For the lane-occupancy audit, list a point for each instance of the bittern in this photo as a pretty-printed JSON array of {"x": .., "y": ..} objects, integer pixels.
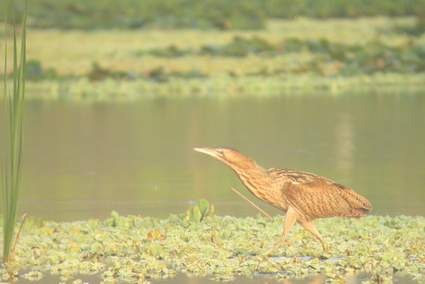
[{"x": 303, "y": 196}]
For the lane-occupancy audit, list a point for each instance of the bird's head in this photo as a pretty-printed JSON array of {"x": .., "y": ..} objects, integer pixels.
[{"x": 231, "y": 157}]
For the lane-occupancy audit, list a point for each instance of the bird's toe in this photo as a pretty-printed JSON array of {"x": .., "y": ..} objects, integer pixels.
[{"x": 282, "y": 242}]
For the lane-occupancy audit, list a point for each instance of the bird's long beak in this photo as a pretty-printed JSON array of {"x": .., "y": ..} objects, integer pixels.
[{"x": 209, "y": 151}]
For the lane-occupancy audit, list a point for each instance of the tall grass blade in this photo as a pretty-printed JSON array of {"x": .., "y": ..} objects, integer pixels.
[{"x": 11, "y": 172}]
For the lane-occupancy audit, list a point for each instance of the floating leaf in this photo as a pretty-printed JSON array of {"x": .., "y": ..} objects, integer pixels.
[
  {"x": 221, "y": 248},
  {"x": 155, "y": 235}
]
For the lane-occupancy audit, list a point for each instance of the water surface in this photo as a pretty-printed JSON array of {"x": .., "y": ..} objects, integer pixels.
[{"x": 82, "y": 161}]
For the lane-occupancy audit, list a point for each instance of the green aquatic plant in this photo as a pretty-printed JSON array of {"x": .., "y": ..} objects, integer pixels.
[
  {"x": 200, "y": 211},
  {"x": 219, "y": 14},
  {"x": 346, "y": 59},
  {"x": 12, "y": 163},
  {"x": 133, "y": 249},
  {"x": 241, "y": 47},
  {"x": 35, "y": 71}
]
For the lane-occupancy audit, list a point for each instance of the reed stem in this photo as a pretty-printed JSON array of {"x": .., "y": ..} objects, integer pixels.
[
  {"x": 11, "y": 167},
  {"x": 251, "y": 203}
]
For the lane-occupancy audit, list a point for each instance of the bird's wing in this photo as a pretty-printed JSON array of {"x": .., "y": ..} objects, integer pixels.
[{"x": 316, "y": 197}]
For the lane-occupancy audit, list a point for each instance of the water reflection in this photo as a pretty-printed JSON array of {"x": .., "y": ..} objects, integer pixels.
[{"x": 344, "y": 137}]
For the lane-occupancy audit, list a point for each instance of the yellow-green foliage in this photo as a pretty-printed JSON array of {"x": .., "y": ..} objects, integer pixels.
[
  {"x": 206, "y": 14},
  {"x": 83, "y": 90},
  {"x": 14, "y": 95},
  {"x": 200, "y": 211},
  {"x": 74, "y": 52},
  {"x": 122, "y": 65},
  {"x": 134, "y": 248}
]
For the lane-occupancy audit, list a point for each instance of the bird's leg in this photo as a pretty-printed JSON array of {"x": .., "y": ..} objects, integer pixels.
[
  {"x": 290, "y": 220},
  {"x": 309, "y": 226}
]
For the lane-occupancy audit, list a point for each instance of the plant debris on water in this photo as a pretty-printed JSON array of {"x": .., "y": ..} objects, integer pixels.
[{"x": 139, "y": 248}]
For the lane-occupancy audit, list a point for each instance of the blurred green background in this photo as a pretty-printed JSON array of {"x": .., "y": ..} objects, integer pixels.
[{"x": 221, "y": 14}]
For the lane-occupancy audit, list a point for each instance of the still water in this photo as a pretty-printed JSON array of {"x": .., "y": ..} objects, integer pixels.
[
  {"x": 182, "y": 279},
  {"x": 82, "y": 161}
]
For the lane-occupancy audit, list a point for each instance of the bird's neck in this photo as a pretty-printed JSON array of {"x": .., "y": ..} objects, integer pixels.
[{"x": 256, "y": 179}]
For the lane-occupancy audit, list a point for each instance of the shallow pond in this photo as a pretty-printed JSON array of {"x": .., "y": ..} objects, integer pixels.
[
  {"x": 83, "y": 161},
  {"x": 182, "y": 279}
]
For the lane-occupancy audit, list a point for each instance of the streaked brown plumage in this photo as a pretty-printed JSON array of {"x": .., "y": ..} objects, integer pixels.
[{"x": 303, "y": 196}]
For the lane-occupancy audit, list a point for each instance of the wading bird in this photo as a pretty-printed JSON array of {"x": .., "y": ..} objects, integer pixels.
[{"x": 303, "y": 196}]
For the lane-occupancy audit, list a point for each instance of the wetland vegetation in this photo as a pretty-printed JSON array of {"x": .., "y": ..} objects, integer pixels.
[
  {"x": 141, "y": 248},
  {"x": 152, "y": 173},
  {"x": 333, "y": 89},
  {"x": 209, "y": 14},
  {"x": 11, "y": 154},
  {"x": 286, "y": 57}
]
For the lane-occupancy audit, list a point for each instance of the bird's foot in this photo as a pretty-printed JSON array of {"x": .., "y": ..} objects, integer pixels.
[
  {"x": 326, "y": 248},
  {"x": 281, "y": 242}
]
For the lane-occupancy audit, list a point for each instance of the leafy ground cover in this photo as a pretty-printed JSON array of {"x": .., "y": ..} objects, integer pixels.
[
  {"x": 347, "y": 59},
  {"x": 143, "y": 51},
  {"x": 289, "y": 56},
  {"x": 208, "y": 14},
  {"x": 139, "y": 248}
]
